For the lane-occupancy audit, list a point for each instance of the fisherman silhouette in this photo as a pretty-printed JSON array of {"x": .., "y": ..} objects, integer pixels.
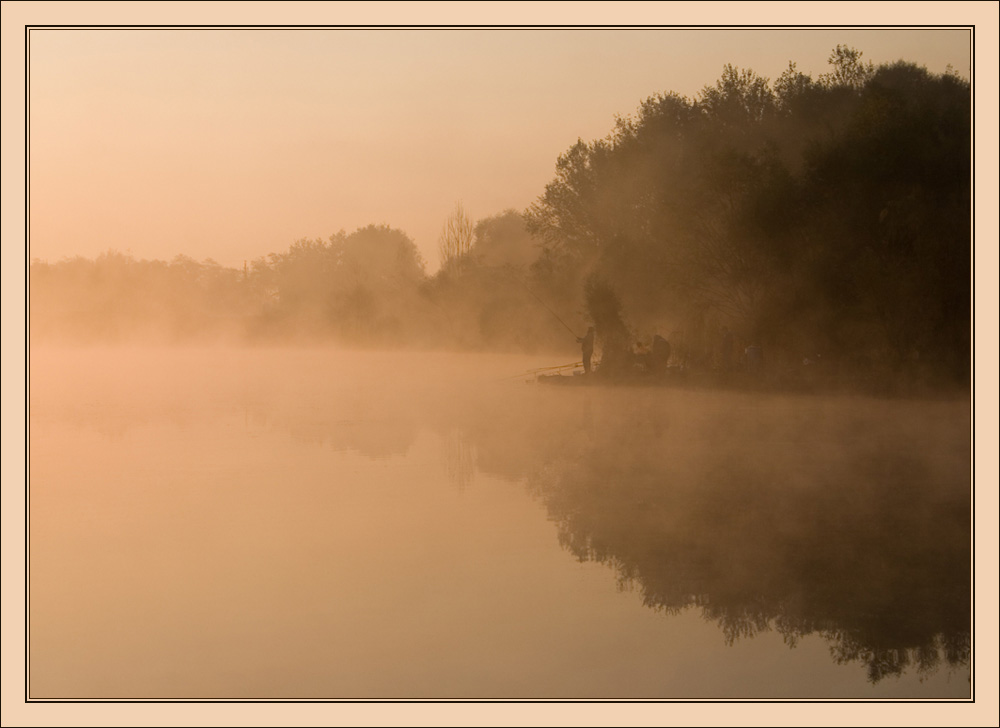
[{"x": 588, "y": 348}]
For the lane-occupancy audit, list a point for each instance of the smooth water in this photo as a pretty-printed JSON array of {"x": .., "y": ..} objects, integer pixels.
[{"x": 318, "y": 524}]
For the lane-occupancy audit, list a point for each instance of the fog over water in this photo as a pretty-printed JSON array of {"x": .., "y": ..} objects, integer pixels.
[{"x": 326, "y": 523}]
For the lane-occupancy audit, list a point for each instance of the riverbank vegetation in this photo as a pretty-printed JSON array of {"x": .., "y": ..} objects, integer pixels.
[{"x": 825, "y": 221}]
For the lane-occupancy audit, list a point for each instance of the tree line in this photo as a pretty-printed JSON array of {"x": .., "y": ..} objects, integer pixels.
[
  {"x": 824, "y": 218},
  {"x": 827, "y": 220}
]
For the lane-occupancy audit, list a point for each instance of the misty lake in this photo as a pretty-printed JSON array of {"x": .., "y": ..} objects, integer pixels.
[{"x": 320, "y": 524}]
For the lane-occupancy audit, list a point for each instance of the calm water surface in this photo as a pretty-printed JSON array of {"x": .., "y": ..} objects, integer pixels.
[{"x": 321, "y": 524}]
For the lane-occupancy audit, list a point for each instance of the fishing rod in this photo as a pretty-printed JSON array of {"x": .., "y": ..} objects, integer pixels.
[
  {"x": 558, "y": 366},
  {"x": 546, "y": 306}
]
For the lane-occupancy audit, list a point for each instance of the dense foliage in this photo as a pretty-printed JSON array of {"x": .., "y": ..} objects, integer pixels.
[{"x": 824, "y": 217}]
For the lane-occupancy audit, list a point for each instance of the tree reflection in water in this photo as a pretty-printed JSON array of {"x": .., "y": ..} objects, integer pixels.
[
  {"x": 843, "y": 517},
  {"x": 847, "y": 519}
]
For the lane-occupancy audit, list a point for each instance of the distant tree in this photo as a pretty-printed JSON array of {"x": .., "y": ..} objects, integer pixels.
[
  {"x": 791, "y": 84},
  {"x": 356, "y": 286},
  {"x": 377, "y": 276},
  {"x": 117, "y": 297},
  {"x": 567, "y": 216},
  {"x": 455, "y": 242},
  {"x": 380, "y": 255},
  {"x": 739, "y": 100},
  {"x": 503, "y": 239},
  {"x": 303, "y": 275},
  {"x": 848, "y": 70}
]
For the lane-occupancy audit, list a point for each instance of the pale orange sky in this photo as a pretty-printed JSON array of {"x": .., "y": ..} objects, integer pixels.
[{"x": 231, "y": 144}]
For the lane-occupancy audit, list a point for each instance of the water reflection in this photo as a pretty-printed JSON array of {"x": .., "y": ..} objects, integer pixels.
[
  {"x": 847, "y": 518},
  {"x": 844, "y": 519}
]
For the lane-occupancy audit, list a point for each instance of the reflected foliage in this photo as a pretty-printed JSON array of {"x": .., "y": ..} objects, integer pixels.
[
  {"x": 798, "y": 516},
  {"x": 844, "y": 518}
]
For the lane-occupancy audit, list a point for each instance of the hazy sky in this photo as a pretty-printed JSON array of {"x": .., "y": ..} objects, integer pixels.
[{"x": 232, "y": 144}]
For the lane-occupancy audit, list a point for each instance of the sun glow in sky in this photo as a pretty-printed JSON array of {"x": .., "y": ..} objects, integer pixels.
[{"x": 231, "y": 144}]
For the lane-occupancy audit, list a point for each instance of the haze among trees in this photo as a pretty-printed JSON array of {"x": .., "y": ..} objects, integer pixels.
[{"x": 825, "y": 218}]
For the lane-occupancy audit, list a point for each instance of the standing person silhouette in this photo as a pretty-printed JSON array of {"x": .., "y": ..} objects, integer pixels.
[{"x": 588, "y": 348}]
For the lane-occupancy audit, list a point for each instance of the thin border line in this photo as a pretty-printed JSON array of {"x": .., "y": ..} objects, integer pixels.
[
  {"x": 502, "y": 27},
  {"x": 27, "y": 362},
  {"x": 972, "y": 359}
]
